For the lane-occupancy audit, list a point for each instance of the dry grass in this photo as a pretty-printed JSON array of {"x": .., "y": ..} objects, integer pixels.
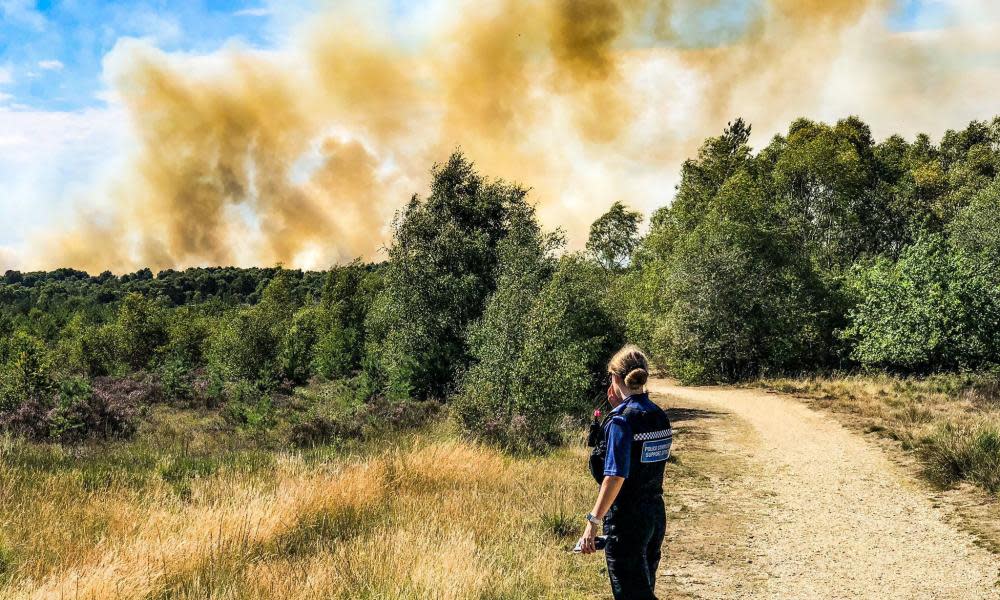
[
  {"x": 951, "y": 422},
  {"x": 420, "y": 516}
]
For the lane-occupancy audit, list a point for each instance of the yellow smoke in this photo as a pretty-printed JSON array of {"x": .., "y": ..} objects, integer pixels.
[{"x": 301, "y": 155}]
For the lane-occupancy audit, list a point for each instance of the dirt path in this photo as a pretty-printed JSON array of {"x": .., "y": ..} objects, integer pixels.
[{"x": 792, "y": 505}]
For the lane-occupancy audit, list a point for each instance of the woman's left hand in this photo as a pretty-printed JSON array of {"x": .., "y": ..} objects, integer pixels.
[{"x": 587, "y": 541}]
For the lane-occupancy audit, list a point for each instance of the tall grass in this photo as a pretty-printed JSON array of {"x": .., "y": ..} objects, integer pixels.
[
  {"x": 420, "y": 516},
  {"x": 952, "y": 422}
]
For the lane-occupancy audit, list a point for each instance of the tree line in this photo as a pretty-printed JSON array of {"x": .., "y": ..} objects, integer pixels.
[{"x": 823, "y": 250}]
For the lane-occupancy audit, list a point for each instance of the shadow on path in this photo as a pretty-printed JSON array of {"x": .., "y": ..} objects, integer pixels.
[{"x": 680, "y": 414}]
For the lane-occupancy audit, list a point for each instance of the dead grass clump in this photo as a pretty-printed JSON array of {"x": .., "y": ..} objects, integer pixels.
[{"x": 959, "y": 452}]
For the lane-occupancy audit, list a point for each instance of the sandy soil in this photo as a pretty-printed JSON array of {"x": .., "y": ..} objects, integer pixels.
[{"x": 790, "y": 504}]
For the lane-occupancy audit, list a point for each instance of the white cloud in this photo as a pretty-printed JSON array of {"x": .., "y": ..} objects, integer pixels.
[
  {"x": 6, "y": 75},
  {"x": 253, "y": 12},
  {"x": 47, "y": 158},
  {"x": 22, "y": 11},
  {"x": 50, "y": 65}
]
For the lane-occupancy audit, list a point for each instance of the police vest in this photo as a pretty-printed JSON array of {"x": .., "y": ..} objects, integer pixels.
[{"x": 652, "y": 437}]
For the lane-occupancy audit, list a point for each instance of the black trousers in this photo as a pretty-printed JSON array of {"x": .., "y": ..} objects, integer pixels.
[{"x": 635, "y": 534}]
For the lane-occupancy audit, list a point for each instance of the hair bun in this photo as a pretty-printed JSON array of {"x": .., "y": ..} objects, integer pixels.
[{"x": 636, "y": 378}]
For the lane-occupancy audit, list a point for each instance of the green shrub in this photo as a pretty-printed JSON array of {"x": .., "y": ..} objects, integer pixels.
[
  {"x": 496, "y": 340},
  {"x": 248, "y": 407},
  {"x": 542, "y": 363},
  {"x": 245, "y": 346},
  {"x": 175, "y": 377},
  {"x": 140, "y": 331},
  {"x": 336, "y": 352},
  {"x": 25, "y": 370},
  {"x": 935, "y": 308},
  {"x": 188, "y": 332},
  {"x": 299, "y": 346}
]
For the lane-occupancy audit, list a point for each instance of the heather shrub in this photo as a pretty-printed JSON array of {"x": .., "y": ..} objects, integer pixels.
[
  {"x": 208, "y": 390},
  {"x": 78, "y": 409},
  {"x": 339, "y": 412}
]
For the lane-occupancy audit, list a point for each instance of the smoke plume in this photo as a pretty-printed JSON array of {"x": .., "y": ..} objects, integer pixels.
[{"x": 301, "y": 155}]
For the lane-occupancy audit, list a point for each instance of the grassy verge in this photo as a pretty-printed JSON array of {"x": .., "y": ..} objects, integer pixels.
[
  {"x": 191, "y": 509},
  {"x": 951, "y": 422}
]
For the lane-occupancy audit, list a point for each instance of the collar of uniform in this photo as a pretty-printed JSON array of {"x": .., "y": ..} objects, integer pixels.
[{"x": 618, "y": 409}]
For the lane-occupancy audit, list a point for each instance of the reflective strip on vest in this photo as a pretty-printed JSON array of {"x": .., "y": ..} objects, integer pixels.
[{"x": 653, "y": 435}]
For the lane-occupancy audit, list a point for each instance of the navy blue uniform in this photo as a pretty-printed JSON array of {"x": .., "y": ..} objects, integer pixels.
[{"x": 635, "y": 445}]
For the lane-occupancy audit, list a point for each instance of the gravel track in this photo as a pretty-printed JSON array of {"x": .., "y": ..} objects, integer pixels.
[{"x": 829, "y": 514}]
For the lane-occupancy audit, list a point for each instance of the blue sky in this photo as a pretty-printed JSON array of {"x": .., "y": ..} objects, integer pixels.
[{"x": 51, "y": 51}]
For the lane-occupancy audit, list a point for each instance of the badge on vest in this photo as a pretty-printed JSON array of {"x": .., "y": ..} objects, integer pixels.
[{"x": 655, "y": 446}]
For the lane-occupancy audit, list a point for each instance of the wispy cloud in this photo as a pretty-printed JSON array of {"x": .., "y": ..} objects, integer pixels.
[
  {"x": 50, "y": 65},
  {"x": 6, "y": 75},
  {"x": 22, "y": 12},
  {"x": 253, "y": 12}
]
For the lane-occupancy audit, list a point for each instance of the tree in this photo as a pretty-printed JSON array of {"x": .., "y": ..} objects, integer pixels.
[
  {"x": 614, "y": 237},
  {"x": 485, "y": 403},
  {"x": 442, "y": 268},
  {"x": 934, "y": 308},
  {"x": 139, "y": 331}
]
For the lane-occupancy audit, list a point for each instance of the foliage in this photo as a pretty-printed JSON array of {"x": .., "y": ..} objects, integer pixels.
[
  {"x": 614, "y": 236},
  {"x": 25, "y": 370},
  {"x": 823, "y": 250},
  {"x": 539, "y": 368},
  {"x": 935, "y": 307},
  {"x": 485, "y": 404},
  {"x": 441, "y": 270}
]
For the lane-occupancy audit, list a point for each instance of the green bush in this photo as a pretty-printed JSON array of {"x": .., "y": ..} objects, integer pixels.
[
  {"x": 245, "y": 346},
  {"x": 248, "y": 407},
  {"x": 188, "y": 332},
  {"x": 299, "y": 345},
  {"x": 934, "y": 308},
  {"x": 25, "y": 370},
  {"x": 140, "y": 331},
  {"x": 538, "y": 364},
  {"x": 336, "y": 352},
  {"x": 496, "y": 340}
]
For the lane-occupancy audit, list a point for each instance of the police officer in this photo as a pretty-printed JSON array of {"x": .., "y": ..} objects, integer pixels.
[{"x": 628, "y": 462}]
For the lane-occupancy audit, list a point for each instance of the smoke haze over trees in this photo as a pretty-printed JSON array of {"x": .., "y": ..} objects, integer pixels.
[{"x": 825, "y": 249}]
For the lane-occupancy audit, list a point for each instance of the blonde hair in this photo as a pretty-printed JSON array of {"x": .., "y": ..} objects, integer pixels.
[{"x": 631, "y": 364}]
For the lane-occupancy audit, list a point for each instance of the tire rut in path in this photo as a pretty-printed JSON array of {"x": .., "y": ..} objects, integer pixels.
[{"x": 829, "y": 515}]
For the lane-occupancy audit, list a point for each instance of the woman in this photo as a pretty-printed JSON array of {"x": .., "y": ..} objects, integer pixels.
[{"x": 628, "y": 464}]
